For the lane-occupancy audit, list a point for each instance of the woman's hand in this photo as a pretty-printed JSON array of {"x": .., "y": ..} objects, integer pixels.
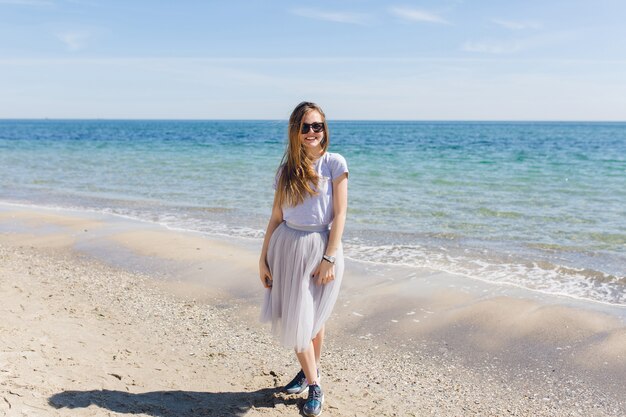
[
  {"x": 325, "y": 272},
  {"x": 265, "y": 274}
]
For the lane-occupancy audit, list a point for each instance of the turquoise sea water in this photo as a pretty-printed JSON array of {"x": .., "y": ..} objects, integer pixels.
[{"x": 538, "y": 205}]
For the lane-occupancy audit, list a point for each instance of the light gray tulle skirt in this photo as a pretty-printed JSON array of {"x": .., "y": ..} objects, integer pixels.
[{"x": 295, "y": 305}]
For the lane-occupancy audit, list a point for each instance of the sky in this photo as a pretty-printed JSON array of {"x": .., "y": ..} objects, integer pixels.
[{"x": 359, "y": 59}]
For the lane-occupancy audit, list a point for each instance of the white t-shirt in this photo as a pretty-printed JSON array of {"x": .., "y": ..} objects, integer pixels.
[{"x": 318, "y": 209}]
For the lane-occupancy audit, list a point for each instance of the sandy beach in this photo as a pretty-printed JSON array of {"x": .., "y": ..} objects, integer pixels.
[{"x": 105, "y": 316}]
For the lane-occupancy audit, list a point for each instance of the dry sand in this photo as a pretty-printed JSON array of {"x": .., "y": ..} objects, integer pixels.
[{"x": 104, "y": 317}]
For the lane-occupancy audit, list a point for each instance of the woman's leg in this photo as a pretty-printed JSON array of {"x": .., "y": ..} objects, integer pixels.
[
  {"x": 317, "y": 345},
  {"x": 307, "y": 362},
  {"x": 310, "y": 358}
]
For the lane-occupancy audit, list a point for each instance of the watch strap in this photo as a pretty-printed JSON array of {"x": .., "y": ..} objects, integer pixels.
[{"x": 330, "y": 259}]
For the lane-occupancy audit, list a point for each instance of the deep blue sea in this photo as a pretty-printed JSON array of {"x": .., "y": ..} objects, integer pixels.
[{"x": 537, "y": 205}]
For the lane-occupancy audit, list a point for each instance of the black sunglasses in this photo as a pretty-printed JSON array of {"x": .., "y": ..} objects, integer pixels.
[{"x": 317, "y": 127}]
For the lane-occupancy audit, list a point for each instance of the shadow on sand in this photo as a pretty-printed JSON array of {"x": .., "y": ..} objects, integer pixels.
[{"x": 174, "y": 403}]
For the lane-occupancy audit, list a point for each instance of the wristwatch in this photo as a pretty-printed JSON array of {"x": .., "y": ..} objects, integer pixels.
[{"x": 330, "y": 259}]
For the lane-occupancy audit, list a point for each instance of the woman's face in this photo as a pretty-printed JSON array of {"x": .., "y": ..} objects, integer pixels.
[{"x": 312, "y": 140}]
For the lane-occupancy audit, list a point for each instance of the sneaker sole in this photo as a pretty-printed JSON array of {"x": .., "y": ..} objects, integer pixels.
[{"x": 297, "y": 392}]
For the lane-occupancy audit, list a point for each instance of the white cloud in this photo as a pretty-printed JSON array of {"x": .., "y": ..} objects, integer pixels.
[
  {"x": 27, "y": 2},
  {"x": 516, "y": 25},
  {"x": 493, "y": 46},
  {"x": 511, "y": 46},
  {"x": 156, "y": 62},
  {"x": 74, "y": 41},
  {"x": 339, "y": 17},
  {"x": 417, "y": 15}
]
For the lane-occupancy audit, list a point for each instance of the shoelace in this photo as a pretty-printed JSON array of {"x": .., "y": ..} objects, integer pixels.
[{"x": 315, "y": 392}]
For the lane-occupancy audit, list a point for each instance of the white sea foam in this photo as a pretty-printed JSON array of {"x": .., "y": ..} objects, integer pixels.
[{"x": 545, "y": 277}]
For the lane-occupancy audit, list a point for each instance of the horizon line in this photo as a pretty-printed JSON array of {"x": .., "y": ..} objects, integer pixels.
[{"x": 113, "y": 119}]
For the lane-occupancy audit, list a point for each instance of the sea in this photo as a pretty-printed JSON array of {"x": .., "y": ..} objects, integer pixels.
[{"x": 537, "y": 205}]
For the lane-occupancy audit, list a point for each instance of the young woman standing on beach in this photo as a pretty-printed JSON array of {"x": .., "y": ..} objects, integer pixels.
[{"x": 301, "y": 262}]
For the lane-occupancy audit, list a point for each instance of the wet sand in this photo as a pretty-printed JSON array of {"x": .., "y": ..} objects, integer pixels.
[{"x": 107, "y": 316}]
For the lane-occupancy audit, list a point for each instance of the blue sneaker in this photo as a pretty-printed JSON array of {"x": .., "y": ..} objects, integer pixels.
[
  {"x": 299, "y": 383},
  {"x": 313, "y": 405}
]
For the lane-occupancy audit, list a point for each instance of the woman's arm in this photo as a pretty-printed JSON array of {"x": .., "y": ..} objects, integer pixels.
[
  {"x": 276, "y": 219},
  {"x": 326, "y": 270},
  {"x": 340, "y": 209}
]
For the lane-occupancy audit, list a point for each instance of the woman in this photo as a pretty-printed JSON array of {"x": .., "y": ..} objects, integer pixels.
[{"x": 301, "y": 262}]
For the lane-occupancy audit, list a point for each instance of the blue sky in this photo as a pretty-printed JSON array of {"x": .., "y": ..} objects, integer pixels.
[{"x": 359, "y": 59}]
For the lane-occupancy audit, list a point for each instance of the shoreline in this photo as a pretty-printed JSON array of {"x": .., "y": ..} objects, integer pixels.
[
  {"x": 473, "y": 350},
  {"x": 253, "y": 243}
]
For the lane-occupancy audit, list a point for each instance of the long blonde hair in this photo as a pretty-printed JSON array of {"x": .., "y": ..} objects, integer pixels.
[{"x": 296, "y": 174}]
